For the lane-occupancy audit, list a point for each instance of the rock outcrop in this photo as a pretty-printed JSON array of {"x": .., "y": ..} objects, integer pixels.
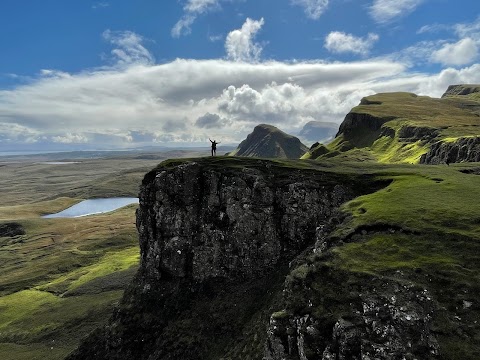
[
  {"x": 371, "y": 318},
  {"x": 461, "y": 150},
  {"x": 267, "y": 141},
  {"x": 11, "y": 229},
  {"x": 462, "y": 89},
  {"x": 216, "y": 238},
  {"x": 202, "y": 224}
]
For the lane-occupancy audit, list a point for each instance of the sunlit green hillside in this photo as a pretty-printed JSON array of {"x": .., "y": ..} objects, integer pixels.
[{"x": 401, "y": 127}]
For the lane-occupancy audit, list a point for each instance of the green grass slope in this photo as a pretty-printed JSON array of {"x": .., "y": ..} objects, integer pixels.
[{"x": 401, "y": 127}]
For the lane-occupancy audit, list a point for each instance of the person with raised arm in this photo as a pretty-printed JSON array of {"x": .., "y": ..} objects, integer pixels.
[{"x": 214, "y": 146}]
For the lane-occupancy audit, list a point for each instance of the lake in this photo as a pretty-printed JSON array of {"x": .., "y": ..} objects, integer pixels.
[{"x": 93, "y": 207}]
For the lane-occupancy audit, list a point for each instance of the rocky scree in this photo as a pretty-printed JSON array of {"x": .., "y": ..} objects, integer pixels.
[{"x": 332, "y": 314}]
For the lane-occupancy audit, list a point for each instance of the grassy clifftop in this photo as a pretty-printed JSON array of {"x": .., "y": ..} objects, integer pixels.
[{"x": 401, "y": 127}]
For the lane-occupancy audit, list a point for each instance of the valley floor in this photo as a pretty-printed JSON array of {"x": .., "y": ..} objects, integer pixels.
[{"x": 62, "y": 278}]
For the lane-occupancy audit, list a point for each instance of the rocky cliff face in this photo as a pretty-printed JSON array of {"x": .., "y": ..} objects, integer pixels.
[
  {"x": 368, "y": 318},
  {"x": 404, "y": 127},
  {"x": 461, "y": 150},
  {"x": 199, "y": 224},
  {"x": 216, "y": 238}
]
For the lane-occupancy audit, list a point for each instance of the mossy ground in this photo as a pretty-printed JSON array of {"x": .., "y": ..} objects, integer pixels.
[{"x": 62, "y": 279}]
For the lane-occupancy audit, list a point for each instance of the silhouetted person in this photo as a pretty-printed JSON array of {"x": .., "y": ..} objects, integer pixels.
[{"x": 214, "y": 146}]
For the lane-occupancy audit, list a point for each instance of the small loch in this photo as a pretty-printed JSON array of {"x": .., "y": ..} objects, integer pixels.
[{"x": 93, "y": 207}]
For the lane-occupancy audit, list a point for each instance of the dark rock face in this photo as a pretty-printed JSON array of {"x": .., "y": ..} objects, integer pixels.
[
  {"x": 415, "y": 133},
  {"x": 355, "y": 121},
  {"x": 269, "y": 142},
  {"x": 462, "y": 150},
  {"x": 380, "y": 319},
  {"x": 464, "y": 89},
  {"x": 361, "y": 130},
  {"x": 202, "y": 224}
]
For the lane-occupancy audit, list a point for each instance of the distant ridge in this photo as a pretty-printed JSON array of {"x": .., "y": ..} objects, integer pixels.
[
  {"x": 270, "y": 142},
  {"x": 318, "y": 131},
  {"x": 462, "y": 89},
  {"x": 400, "y": 127}
]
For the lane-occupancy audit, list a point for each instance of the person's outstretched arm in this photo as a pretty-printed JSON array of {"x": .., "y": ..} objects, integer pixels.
[{"x": 210, "y": 140}]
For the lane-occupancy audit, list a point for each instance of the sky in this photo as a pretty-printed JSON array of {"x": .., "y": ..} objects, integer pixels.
[{"x": 84, "y": 74}]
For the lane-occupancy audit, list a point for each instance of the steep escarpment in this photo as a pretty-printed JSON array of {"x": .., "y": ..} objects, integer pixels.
[
  {"x": 267, "y": 141},
  {"x": 404, "y": 127},
  {"x": 216, "y": 238},
  {"x": 200, "y": 224}
]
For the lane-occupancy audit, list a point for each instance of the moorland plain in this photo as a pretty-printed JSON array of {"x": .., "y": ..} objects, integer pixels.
[{"x": 61, "y": 278}]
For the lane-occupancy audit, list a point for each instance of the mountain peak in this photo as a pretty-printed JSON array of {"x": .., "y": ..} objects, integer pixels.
[{"x": 270, "y": 142}]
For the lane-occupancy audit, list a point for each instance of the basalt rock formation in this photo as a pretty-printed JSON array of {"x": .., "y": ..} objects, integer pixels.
[
  {"x": 216, "y": 240},
  {"x": 462, "y": 89},
  {"x": 267, "y": 141},
  {"x": 465, "y": 149}
]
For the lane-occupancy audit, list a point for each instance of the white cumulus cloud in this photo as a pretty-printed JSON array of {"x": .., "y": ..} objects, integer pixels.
[
  {"x": 313, "y": 8},
  {"x": 463, "y": 52},
  {"x": 340, "y": 42},
  {"x": 384, "y": 11},
  {"x": 129, "y": 48},
  {"x": 240, "y": 45}
]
